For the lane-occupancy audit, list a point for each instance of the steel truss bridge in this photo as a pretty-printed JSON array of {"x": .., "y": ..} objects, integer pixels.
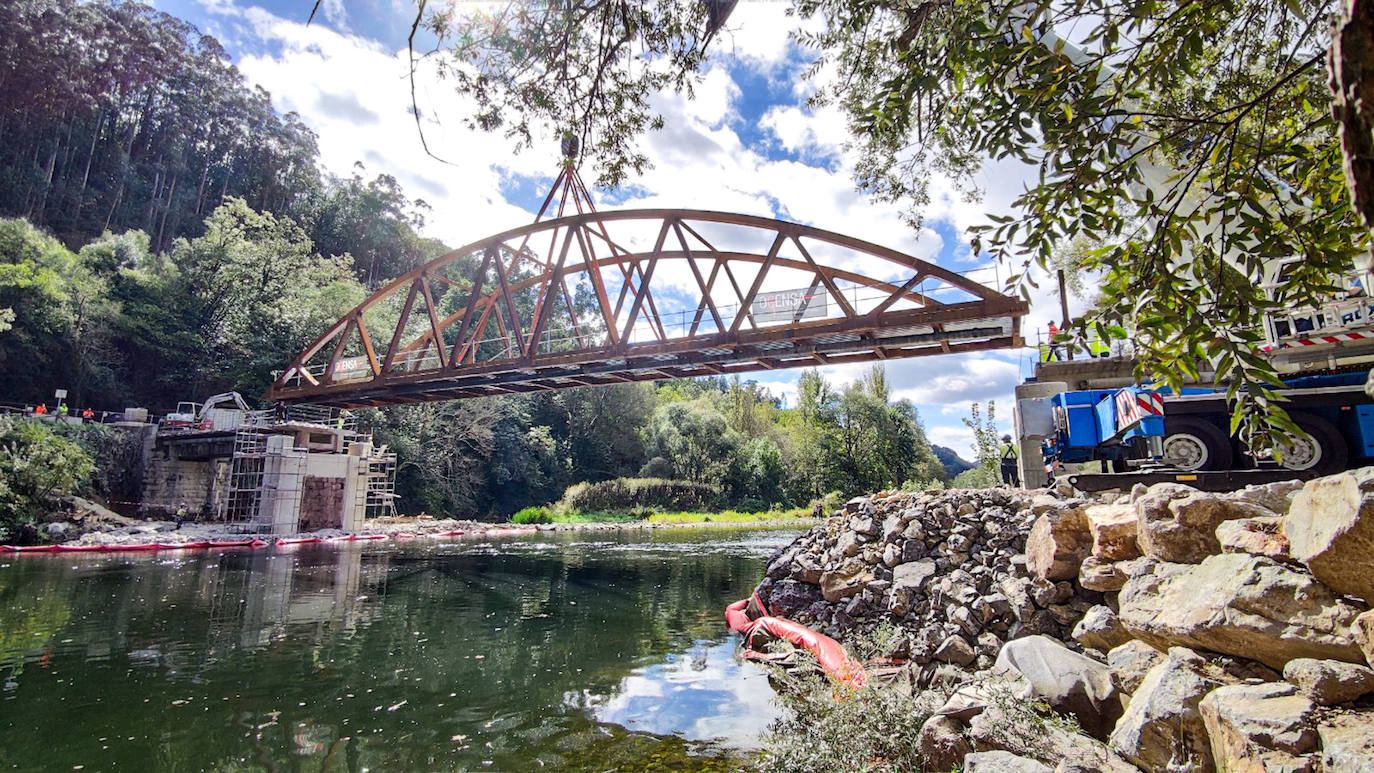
[{"x": 586, "y": 298}]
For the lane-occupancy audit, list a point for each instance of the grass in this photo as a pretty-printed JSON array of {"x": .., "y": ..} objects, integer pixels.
[
  {"x": 729, "y": 516},
  {"x": 552, "y": 515},
  {"x": 595, "y": 518}
]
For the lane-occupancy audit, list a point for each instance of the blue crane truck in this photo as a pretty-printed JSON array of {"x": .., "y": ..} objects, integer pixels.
[{"x": 1143, "y": 433}]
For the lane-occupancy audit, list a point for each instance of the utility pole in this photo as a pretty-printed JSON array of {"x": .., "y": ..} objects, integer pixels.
[{"x": 1064, "y": 309}]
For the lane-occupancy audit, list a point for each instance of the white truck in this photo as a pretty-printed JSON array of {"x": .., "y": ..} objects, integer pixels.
[{"x": 224, "y": 411}]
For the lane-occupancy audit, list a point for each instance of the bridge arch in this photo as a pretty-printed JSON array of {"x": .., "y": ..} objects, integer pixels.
[{"x": 630, "y": 295}]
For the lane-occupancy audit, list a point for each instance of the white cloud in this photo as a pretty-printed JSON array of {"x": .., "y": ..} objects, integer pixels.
[
  {"x": 334, "y": 11},
  {"x": 950, "y": 380},
  {"x": 958, "y": 438},
  {"x": 758, "y": 34},
  {"x": 819, "y": 134},
  {"x": 355, "y": 94}
]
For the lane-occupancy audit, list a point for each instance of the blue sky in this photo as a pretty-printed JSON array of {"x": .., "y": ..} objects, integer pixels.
[{"x": 746, "y": 143}]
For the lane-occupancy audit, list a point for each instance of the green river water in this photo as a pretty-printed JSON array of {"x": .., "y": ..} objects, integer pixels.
[{"x": 578, "y": 651}]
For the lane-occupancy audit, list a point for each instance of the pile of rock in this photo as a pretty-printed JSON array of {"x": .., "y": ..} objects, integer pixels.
[
  {"x": 948, "y": 569},
  {"x": 1213, "y": 631}
]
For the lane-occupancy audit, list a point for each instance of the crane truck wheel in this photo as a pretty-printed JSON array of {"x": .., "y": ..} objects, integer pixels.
[
  {"x": 1323, "y": 452},
  {"x": 1195, "y": 444}
]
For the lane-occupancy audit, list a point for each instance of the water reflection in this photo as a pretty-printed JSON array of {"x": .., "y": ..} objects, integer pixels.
[
  {"x": 701, "y": 695},
  {"x": 567, "y": 652}
]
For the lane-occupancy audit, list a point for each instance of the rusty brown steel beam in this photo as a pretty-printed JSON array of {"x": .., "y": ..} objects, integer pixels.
[
  {"x": 724, "y": 258},
  {"x": 829, "y": 274},
  {"x": 638, "y": 270},
  {"x": 643, "y": 366},
  {"x": 650, "y": 356},
  {"x": 400, "y": 329},
  {"x": 907, "y": 318}
]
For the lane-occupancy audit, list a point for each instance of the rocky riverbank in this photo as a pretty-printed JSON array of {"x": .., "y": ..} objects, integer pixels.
[{"x": 1179, "y": 630}]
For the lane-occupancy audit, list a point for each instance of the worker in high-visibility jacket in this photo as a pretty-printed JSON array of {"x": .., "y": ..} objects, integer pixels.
[{"x": 1010, "y": 475}]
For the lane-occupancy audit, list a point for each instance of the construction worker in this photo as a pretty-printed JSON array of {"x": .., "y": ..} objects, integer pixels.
[
  {"x": 1053, "y": 352},
  {"x": 87, "y": 414},
  {"x": 1099, "y": 348},
  {"x": 181, "y": 515},
  {"x": 1010, "y": 475},
  {"x": 62, "y": 410},
  {"x": 40, "y": 409}
]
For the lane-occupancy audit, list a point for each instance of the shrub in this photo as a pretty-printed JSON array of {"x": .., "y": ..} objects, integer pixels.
[
  {"x": 933, "y": 484},
  {"x": 639, "y": 494},
  {"x": 977, "y": 477},
  {"x": 874, "y": 728},
  {"x": 829, "y": 503},
  {"x": 751, "y": 505},
  {"x": 533, "y": 515},
  {"x": 657, "y": 467},
  {"x": 37, "y": 468}
]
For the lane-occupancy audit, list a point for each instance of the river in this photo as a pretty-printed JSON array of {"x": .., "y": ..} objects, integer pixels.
[{"x": 570, "y": 651}]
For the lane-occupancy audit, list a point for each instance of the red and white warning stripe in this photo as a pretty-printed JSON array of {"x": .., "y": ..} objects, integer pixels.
[
  {"x": 1334, "y": 338},
  {"x": 1133, "y": 406}
]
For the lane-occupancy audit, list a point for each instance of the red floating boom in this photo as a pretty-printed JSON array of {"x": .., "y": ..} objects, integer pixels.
[{"x": 828, "y": 652}]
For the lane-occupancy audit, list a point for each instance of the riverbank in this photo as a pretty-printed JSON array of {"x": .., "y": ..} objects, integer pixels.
[
  {"x": 118, "y": 532},
  {"x": 544, "y": 515},
  {"x": 1157, "y": 630}
]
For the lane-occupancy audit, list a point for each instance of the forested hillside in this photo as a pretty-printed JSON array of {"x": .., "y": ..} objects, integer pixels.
[
  {"x": 173, "y": 237},
  {"x": 115, "y": 116}
]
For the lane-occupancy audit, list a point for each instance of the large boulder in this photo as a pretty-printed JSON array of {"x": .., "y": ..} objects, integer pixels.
[
  {"x": 1276, "y": 497},
  {"x": 1162, "y": 729},
  {"x": 941, "y": 744},
  {"x": 1329, "y": 682},
  {"x": 807, "y": 568},
  {"x": 1178, "y": 524},
  {"x": 1003, "y": 762},
  {"x": 1130, "y": 662},
  {"x": 909, "y": 577},
  {"x": 845, "y": 580},
  {"x": 1113, "y": 529},
  {"x": 1098, "y": 575},
  {"x": 1330, "y": 528},
  {"x": 1256, "y": 536},
  {"x": 1363, "y": 631},
  {"x": 1065, "y": 680},
  {"x": 955, "y": 649},
  {"x": 1259, "y": 727},
  {"x": 789, "y": 597},
  {"x": 1058, "y": 543},
  {"x": 1240, "y": 605},
  {"x": 1347, "y": 741},
  {"x": 1011, "y": 725},
  {"x": 1100, "y": 629}
]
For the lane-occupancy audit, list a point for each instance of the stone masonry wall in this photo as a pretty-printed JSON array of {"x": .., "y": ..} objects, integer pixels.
[{"x": 322, "y": 501}]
